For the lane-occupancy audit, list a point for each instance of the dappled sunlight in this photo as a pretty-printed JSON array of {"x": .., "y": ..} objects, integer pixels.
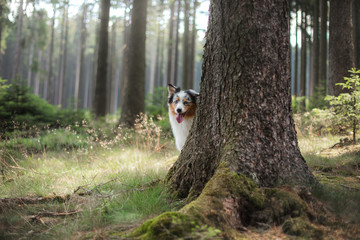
[{"x": 63, "y": 173}]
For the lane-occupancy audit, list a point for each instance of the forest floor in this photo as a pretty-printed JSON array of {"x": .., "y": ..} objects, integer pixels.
[{"x": 101, "y": 192}]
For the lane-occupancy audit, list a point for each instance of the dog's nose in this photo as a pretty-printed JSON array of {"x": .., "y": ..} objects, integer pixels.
[{"x": 178, "y": 110}]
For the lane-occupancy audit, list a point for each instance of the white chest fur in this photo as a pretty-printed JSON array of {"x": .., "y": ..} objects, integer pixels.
[{"x": 180, "y": 130}]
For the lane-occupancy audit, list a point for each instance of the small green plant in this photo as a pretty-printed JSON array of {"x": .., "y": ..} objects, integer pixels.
[{"x": 347, "y": 105}]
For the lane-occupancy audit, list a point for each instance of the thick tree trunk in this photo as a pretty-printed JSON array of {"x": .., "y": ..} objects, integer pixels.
[
  {"x": 134, "y": 102},
  {"x": 102, "y": 61},
  {"x": 244, "y": 113},
  {"x": 341, "y": 45},
  {"x": 323, "y": 47}
]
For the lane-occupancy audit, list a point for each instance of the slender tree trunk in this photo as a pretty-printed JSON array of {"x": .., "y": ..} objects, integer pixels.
[
  {"x": 185, "y": 55},
  {"x": 64, "y": 62},
  {"x": 191, "y": 60},
  {"x": 2, "y": 6},
  {"x": 125, "y": 54},
  {"x": 245, "y": 108},
  {"x": 303, "y": 63},
  {"x": 30, "y": 63},
  {"x": 50, "y": 95},
  {"x": 170, "y": 46},
  {"x": 316, "y": 51},
  {"x": 59, "y": 86},
  {"x": 36, "y": 77},
  {"x": 176, "y": 48},
  {"x": 341, "y": 45},
  {"x": 296, "y": 82},
  {"x": 79, "y": 80},
  {"x": 134, "y": 102},
  {"x": 323, "y": 48},
  {"x": 101, "y": 75},
  {"x": 356, "y": 21},
  {"x": 112, "y": 69},
  {"x": 17, "y": 58}
]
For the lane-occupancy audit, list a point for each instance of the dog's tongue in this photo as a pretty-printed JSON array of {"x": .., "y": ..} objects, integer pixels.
[{"x": 179, "y": 118}]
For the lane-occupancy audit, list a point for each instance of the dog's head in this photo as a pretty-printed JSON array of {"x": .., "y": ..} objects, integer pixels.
[{"x": 182, "y": 103}]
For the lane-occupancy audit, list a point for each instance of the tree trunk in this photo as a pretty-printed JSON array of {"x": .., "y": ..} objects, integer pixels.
[
  {"x": 112, "y": 69},
  {"x": 79, "y": 80},
  {"x": 60, "y": 79},
  {"x": 356, "y": 21},
  {"x": 323, "y": 47},
  {"x": 303, "y": 59},
  {"x": 17, "y": 58},
  {"x": 125, "y": 53},
  {"x": 30, "y": 63},
  {"x": 101, "y": 75},
  {"x": 134, "y": 101},
  {"x": 37, "y": 73},
  {"x": 192, "y": 49},
  {"x": 176, "y": 48},
  {"x": 296, "y": 78},
  {"x": 185, "y": 50},
  {"x": 50, "y": 95},
  {"x": 63, "y": 101},
  {"x": 316, "y": 51},
  {"x": 341, "y": 45},
  {"x": 245, "y": 108},
  {"x": 171, "y": 42}
]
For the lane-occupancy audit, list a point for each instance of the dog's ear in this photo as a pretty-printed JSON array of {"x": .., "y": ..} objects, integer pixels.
[
  {"x": 193, "y": 93},
  {"x": 172, "y": 89}
]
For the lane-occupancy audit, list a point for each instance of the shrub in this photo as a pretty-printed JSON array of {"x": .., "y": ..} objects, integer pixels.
[
  {"x": 20, "y": 108},
  {"x": 346, "y": 106}
]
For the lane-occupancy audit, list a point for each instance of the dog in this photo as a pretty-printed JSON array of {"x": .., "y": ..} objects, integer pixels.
[{"x": 182, "y": 107}]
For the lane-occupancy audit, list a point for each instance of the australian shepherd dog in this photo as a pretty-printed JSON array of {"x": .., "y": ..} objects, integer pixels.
[{"x": 182, "y": 106}]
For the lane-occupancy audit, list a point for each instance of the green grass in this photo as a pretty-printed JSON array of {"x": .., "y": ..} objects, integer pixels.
[
  {"x": 122, "y": 185},
  {"x": 338, "y": 170}
]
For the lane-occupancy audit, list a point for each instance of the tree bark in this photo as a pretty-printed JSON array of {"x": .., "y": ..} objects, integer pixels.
[
  {"x": 323, "y": 47},
  {"x": 244, "y": 113},
  {"x": 171, "y": 42},
  {"x": 176, "y": 47},
  {"x": 101, "y": 75},
  {"x": 186, "y": 45},
  {"x": 134, "y": 102},
  {"x": 316, "y": 50},
  {"x": 341, "y": 45},
  {"x": 303, "y": 60},
  {"x": 16, "y": 66},
  {"x": 356, "y": 21},
  {"x": 50, "y": 95},
  {"x": 296, "y": 77},
  {"x": 79, "y": 80}
]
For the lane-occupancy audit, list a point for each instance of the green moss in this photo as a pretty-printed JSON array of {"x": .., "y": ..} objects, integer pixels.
[
  {"x": 301, "y": 227},
  {"x": 281, "y": 203},
  {"x": 226, "y": 182},
  {"x": 169, "y": 225}
]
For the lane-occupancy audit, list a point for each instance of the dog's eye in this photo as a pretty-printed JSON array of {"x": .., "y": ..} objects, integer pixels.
[
  {"x": 176, "y": 101},
  {"x": 186, "y": 103}
]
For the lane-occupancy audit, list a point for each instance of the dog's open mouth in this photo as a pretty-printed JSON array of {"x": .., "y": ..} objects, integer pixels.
[{"x": 180, "y": 117}]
